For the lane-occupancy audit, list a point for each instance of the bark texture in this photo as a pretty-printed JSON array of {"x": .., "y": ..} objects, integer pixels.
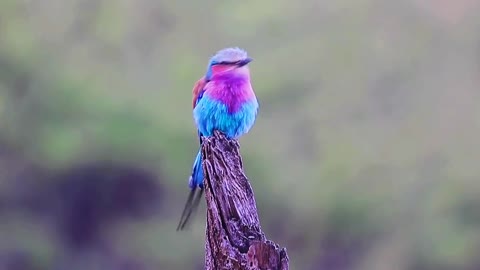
[{"x": 234, "y": 239}]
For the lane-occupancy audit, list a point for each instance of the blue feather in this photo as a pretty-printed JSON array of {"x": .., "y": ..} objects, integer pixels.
[
  {"x": 196, "y": 179},
  {"x": 213, "y": 115}
]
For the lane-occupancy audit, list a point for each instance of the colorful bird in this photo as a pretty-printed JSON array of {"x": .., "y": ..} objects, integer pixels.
[{"x": 223, "y": 100}]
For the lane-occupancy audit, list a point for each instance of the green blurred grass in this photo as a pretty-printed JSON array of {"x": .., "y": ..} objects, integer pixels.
[{"x": 367, "y": 126}]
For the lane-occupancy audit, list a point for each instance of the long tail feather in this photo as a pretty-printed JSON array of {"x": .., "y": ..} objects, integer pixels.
[
  {"x": 193, "y": 209},
  {"x": 186, "y": 209},
  {"x": 195, "y": 181}
]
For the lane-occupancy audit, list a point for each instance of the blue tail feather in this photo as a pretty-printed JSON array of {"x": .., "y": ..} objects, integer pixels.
[{"x": 196, "y": 179}]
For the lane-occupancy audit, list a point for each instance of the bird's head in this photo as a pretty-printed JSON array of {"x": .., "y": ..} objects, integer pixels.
[{"x": 228, "y": 60}]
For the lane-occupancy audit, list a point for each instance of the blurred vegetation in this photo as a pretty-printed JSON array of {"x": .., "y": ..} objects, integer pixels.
[{"x": 364, "y": 154}]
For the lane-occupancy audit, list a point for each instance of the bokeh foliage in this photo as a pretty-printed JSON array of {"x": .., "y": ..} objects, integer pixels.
[{"x": 364, "y": 154}]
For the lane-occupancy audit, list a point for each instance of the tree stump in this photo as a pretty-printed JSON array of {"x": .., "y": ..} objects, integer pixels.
[{"x": 234, "y": 239}]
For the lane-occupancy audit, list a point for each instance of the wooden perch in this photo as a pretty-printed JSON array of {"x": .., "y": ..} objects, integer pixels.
[{"x": 234, "y": 239}]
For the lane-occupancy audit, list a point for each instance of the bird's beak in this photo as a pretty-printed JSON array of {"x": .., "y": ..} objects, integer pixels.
[{"x": 244, "y": 61}]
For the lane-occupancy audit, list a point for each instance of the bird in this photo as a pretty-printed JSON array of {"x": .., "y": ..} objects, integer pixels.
[{"x": 223, "y": 100}]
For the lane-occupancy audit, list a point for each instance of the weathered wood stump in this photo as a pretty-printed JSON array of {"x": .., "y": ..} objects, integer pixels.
[{"x": 234, "y": 239}]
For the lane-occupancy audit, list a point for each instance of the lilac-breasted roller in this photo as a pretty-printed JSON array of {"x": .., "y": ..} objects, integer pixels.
[{"x": 223, "y": 100}]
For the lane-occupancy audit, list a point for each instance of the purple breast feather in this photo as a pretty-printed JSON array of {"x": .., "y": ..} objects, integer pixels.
[{"x": 233, "y": 92}]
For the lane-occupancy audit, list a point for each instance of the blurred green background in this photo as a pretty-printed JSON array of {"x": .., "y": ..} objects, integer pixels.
[{"x": 364, "y": 154}]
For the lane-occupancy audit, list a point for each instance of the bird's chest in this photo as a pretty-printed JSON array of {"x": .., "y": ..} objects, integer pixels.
[
  {"x": 230, "y": 111},
  {"x": 231, "y": 96}
]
